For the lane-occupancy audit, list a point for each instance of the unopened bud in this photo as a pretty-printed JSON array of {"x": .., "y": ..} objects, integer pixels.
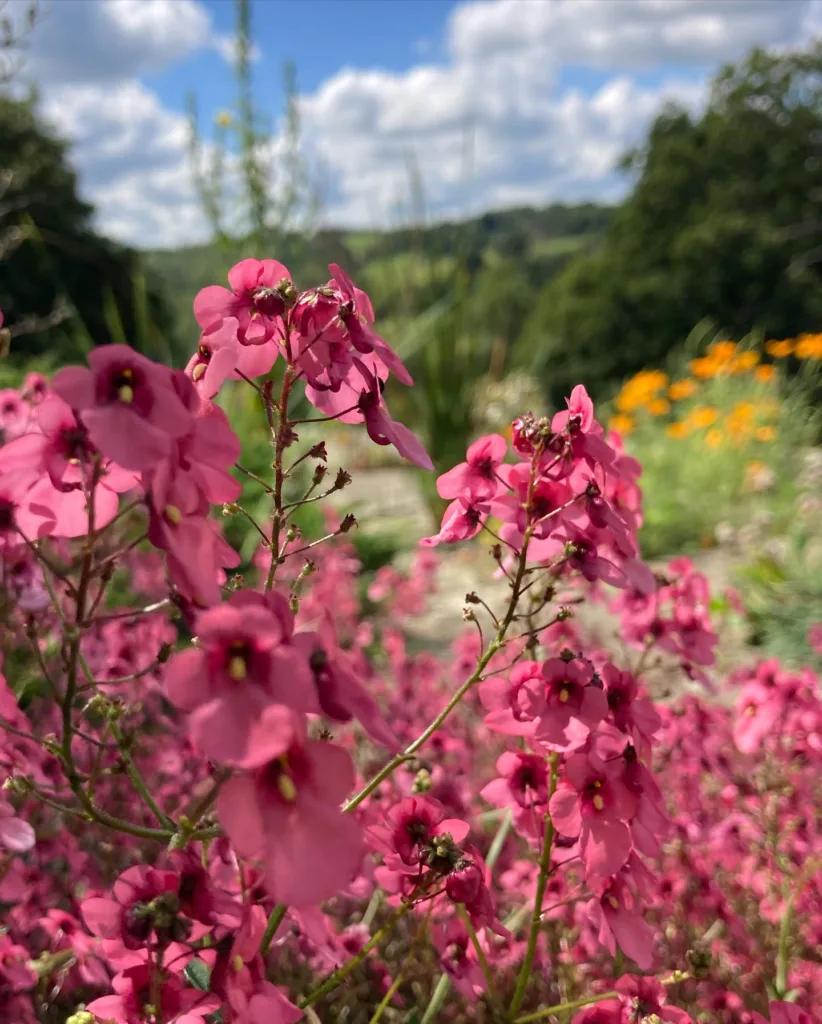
[
  {"x": 318, "y": 452},
  {"x": 164, "y": 653},
  {"x": 342, "y": 479},
  {"x": 564, "y": 613},
  {"x": 82, "y": 1017},
  {"x": 700, "y": 961},
  {"x": 566, "y": 654},
  {"x": 230, "y": 509},
  {"x": 468, "y": 615},
  {"x": 348, "y": 523},
  {"x": 292, "y": 533},
  {"x": 422, "y": 781},
  {"x": 472, "y": 598},
  {"x": 319, "y": 474}
]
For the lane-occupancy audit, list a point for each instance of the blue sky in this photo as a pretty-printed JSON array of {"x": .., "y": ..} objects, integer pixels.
[{"x": 544, "y": 94}]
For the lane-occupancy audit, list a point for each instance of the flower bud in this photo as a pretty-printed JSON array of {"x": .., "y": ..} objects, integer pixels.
[
  {"x": 422, "y": 781},
  {"x": 348, "y": 523},
  {"x": 82, "y": 1017},
  {"x": 464, "y": 882}
]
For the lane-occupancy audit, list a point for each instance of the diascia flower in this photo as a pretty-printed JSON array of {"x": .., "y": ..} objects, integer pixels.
[
  {"x": 257, "y": 300},
  {"x": 284, "y": 809},
  {"x": 240, "y": 667},
  {"x": 128, "y": 404},
  {"x": 135, "y": 991}
]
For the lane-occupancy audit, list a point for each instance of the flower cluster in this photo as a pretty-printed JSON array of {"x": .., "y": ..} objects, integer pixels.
[{"x": 235, "y": 787}]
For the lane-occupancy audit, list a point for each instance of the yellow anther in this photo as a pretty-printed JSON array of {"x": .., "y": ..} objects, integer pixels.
[
  {"x": 198, "y": 371},
  {"x": 614, "y": 902},
  {"x": 126, "y": 394},
  {"x": 599, "y": 803},
  {"x": 237, "y": 668},
  {"x": 563, "y": 695},
  {"x": 288, "y": 791},
  {"x": 237, "y": 963},
  {"x": 173, "y": 514},
  {"x": 597, "y": 784}
]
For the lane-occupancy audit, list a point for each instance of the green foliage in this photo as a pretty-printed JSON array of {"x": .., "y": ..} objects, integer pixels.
[
  {"x": 61, "y": 284},
  {"x": 723, "y": 223}
]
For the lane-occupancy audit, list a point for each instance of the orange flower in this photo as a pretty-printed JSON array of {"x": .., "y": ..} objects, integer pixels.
[
  {"x": 809, "y": 346},
  {"x": 766, "y": 434},
  {"x": 659, "y": 406},
  {"x": 640, "y": 390},
  {"x": 622, "y": 423},
  {"x": 682, "y": 389},
  {"x": 722, "y": 351},
  {"x": 743, "y": 362},
  {"x": 714, "y": 438},
  {"x": 703, "y": 416},
  {"x": 705, "y": 367},
  {"x": 765, "y": 373},
  {"x": 678, "y": 430},
  {"x": 779, "y": 349}
]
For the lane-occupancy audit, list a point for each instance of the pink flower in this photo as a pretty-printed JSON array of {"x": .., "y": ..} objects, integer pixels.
[
  {"x": 128, "y": 404},
  {"x": 411, "y": 828},
  {"x": 585, "y": 433},
  {"x": 257, "y": 301},
  {"x": 239, "y": 668},
  {"x": 592, "y": 802},
  {"x": 522, "y": 786},
  {"x": 787, "y": 1013},
  {"x": 53, "y": 467},
  {"x": 642, "y": 997},
  {"x": 568, "y": 705},
  {"x": 458, "y": 959},
  {"x": 609, "y": 1011},
  {"x": 216, "y": 357},
  {"x": 632, "y": 714},
  {"x": 510, "y": 702},
  {"x": 284, "y": 810},
  {"x": 616, "y": 914},
  {"x": 356, "y": 316},
  {"x": 476, "y": 478},
  {"x": 15, "y": 834},
  {"x": 135, "y": 989},
  {"x": 341, "y": 693},
  {"x": 238, "y": 978},
  {"x": 462, "y": 520},
  {"x": 145, "y": 904}
]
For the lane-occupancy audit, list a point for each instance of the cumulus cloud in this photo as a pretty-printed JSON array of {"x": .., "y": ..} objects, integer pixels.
[
  {"x": 492, "y": 125},
  {"x": 102, "y": 41}
]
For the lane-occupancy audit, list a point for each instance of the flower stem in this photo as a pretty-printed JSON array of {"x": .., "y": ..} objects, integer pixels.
[
  {"x": 274, "y": 921},
  {"x": 334, "y": 979},
  {"x": 536, "y": 914}
]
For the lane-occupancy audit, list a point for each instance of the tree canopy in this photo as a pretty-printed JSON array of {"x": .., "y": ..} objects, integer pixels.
[
  {"x": 60, "y": 281},
  {"x": 724, "y": 223}
]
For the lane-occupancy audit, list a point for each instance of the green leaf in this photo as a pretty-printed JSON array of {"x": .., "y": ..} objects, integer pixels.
[{"x": 198, "y": 975}]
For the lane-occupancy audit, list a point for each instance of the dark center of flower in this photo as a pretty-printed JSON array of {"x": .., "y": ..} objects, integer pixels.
[
  {"x": 75, "y": 444},
  {"x": 238, "y": 659},
  {"x": 6, "y": 515},
  {"x": 9, "y": 408}
]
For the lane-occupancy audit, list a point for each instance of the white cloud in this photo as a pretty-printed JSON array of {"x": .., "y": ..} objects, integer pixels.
[
  {"x": 99, "y": 41},
  {"x": 491, "y": 126}
]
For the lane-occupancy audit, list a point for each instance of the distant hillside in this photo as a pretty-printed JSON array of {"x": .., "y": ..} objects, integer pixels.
[{"x": 398, "y": 267}]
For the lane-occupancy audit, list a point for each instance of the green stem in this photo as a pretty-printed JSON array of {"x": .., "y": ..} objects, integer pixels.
[
  {"x": 536, "y": 913},
  {"x": 138, "y": 782},
  {"x": 672, "y": 979},
  {"x": 437, "y": 999},
  {"x": 334, "y": 979},
  {"x": 564, "y": 1007},
  {"x": 275, "y": 919},
  {"x": 496, "y": 644},
  {"x": 280, "y": 440}
]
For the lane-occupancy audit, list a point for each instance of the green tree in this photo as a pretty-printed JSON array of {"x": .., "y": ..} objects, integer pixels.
[
  {"x": 724, "y": 223},
  {"x": 61, "y": 284}
]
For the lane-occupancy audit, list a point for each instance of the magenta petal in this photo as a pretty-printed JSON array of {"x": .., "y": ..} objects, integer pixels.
[
  {"x": 16, "y": 835},
  {"x": 239, "y": 814},
  {"x": 456, "y": 827},
  {"x": 212, "y": 304},
  {"x": 299, "y": 869},
  {"x": 102, "y": 916},
  {"x": 564, "y": 810},
  {"x": 605, "y": 847},
  {"x": 187, "y": 680},
  {"x": 635, "y": 937},
  {"x": 245, "y": 276},
  {"x": 75, "y": 385}
]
